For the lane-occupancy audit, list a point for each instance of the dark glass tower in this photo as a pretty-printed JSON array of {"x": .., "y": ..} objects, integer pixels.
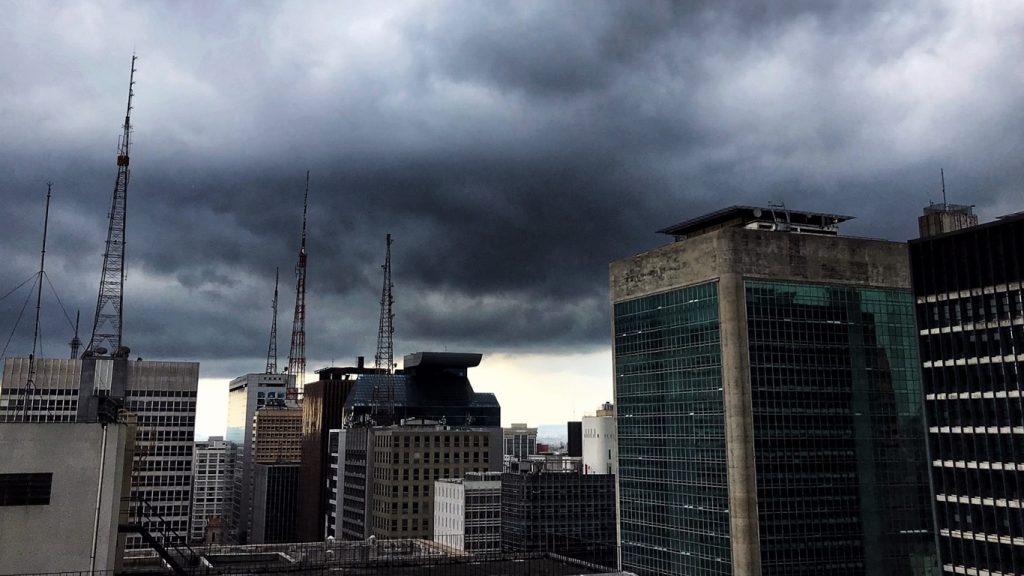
[
  {"x": 769, "y": 402},
  {"x": 968, "y": 290}
]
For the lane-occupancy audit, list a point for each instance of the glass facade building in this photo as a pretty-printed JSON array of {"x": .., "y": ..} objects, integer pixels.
[
  {"x": 672, "y": 464},
  {"x": 842, "y": 484},
  {"x": 769, "y": 403}
]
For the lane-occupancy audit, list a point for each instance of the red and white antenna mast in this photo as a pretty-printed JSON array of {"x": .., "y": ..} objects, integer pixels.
[
  {"x": 297, "y": 354},
  {"x": 107, "y": 326}
]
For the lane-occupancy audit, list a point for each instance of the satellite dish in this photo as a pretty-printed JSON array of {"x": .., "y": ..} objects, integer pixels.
[
  {"x": 100, "y": 350},
  {"x": 757, "y": 212}
]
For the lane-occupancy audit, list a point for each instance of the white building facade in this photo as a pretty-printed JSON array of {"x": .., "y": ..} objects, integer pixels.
[
  {"x": 600, "y": 447},
  {"x": 467, "y": 512},
  {"x": 211, "y": 487}
]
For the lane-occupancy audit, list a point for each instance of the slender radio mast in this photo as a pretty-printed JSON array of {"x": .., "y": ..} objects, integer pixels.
[
  {"x": 30, "y": 382},
  {"x": 272, "y": 348},
  {"x": 384, "y": 361},
  {"x": 297, "y": 354},
  {"x": 76, "y": 343},
  {"x": 107, "y": 325}
]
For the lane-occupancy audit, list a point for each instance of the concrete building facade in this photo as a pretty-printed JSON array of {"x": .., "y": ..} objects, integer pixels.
[
  {"x": 768, "y": 401},
  {"x": 467, "y": 512},
  {"x": 212, "y": 467},
  {"x": 62, "y": 487},
  {"x": 599, "y": 443},
  {"x": 277, "y": 434},
  {"x": 407, "y": 460},
  {"x": 969, "y": 295},
  {"x": 162, "y": 395}
]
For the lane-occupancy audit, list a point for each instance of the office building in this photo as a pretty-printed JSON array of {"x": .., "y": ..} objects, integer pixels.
[
  {"x": 970, "y": 312},
  {"x": 768, "y": 401},
  {"x": 335, "y": 481},
  {"x": 246, "y": 395},
  {"x": 431, "y": 387},
  {"x": 62, "y": 487},
  {"x": 467, "y": 512},
  {"x": 565, "y": 513},
  {"x": 323, "y": 406},
  {"x": 574, "y": 446},
  {"x": 520, "y": 441},
  {"x": 277, "y": 434},
  {"x": 162, "y": 395},
  {"x": 599, "y": 446},
  {"x": 407, "y": 460},
  {"x": 211, "y": 485},
  {"x": 355, "y": 472},
  {"x": 275, "y": 496}
]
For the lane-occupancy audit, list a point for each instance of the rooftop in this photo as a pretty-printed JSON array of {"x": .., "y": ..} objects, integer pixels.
[{"x": 776, "y": 218}]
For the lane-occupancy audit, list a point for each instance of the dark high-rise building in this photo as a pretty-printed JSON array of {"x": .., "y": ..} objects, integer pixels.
[
  {"x": 575, "y": 445},
  {"x": 565, "y": 513},
  {"x": 323, "y": 406},
  {"x": 275, "y": 495},
  {"x": 433, "y": 386},
  {"x": 970, "y": 313},
  {"x": 768, "y": 402}
]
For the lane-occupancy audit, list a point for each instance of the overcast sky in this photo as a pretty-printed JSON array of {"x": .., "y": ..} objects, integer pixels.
[{"x": 513, "y": 150}]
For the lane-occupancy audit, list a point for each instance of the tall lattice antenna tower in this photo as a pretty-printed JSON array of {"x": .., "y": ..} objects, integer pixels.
[
  {"x": 272, "y": 348},
  {"x": 76, "y": 342},
  {"x": 384, "y": 361},
  {"x": 26, "y": 399},
  {"x": 107, "y": 326},
  {"x": 297, "y": 354}
]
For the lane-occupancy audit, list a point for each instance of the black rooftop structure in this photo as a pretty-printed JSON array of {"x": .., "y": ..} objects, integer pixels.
[
  {"x": 433, "y": 386},
  {"x": 769, "y": 218}
]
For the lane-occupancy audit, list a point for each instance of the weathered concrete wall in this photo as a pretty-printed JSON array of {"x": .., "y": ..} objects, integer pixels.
[
  {"x": 57, "y": 537},
  {"x": 762, "y": 254}
]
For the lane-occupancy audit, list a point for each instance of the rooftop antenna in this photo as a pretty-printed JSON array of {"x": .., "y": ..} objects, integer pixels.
[
  {"x": 384, "y": 360},
  {"x": 272, "y": 348},
  {"x": 297, "y": 354},
  {"x": 942, "y": 174},
  {"x": 76, "y": 343},
  {"x": 107, "y": 325},
  {"x": 30, "y": 382}
]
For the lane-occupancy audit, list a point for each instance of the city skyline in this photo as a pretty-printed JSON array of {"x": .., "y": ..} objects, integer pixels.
[{"x": 512, "y": 152}]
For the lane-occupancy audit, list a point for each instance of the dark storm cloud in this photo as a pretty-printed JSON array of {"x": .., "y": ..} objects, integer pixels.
[{"x": 512, "y": 151}]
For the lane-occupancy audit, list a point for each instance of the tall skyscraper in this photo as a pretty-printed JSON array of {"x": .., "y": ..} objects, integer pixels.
[
  {"x": 768, "y": 401},
  {"x": 161, "y": 394},
  {"x": 246, "y": 395},
  {"x": 970, "y": 311},
  {"x": 211, "y": 485}
]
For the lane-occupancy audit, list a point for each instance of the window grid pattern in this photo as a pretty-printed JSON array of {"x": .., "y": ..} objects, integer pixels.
[
  {"x": 970, "y": 312},
  {"x": 838, "y": 431},
  {"x": 671, "y": 426}
]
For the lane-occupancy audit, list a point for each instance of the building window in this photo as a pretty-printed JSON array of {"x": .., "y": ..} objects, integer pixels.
[{"x": 25, "y": 489}]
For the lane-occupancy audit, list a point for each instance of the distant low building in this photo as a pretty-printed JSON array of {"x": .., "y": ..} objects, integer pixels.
[
  {"x": 600, "y": 448},
  {"x": 519, "y": 441}
]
